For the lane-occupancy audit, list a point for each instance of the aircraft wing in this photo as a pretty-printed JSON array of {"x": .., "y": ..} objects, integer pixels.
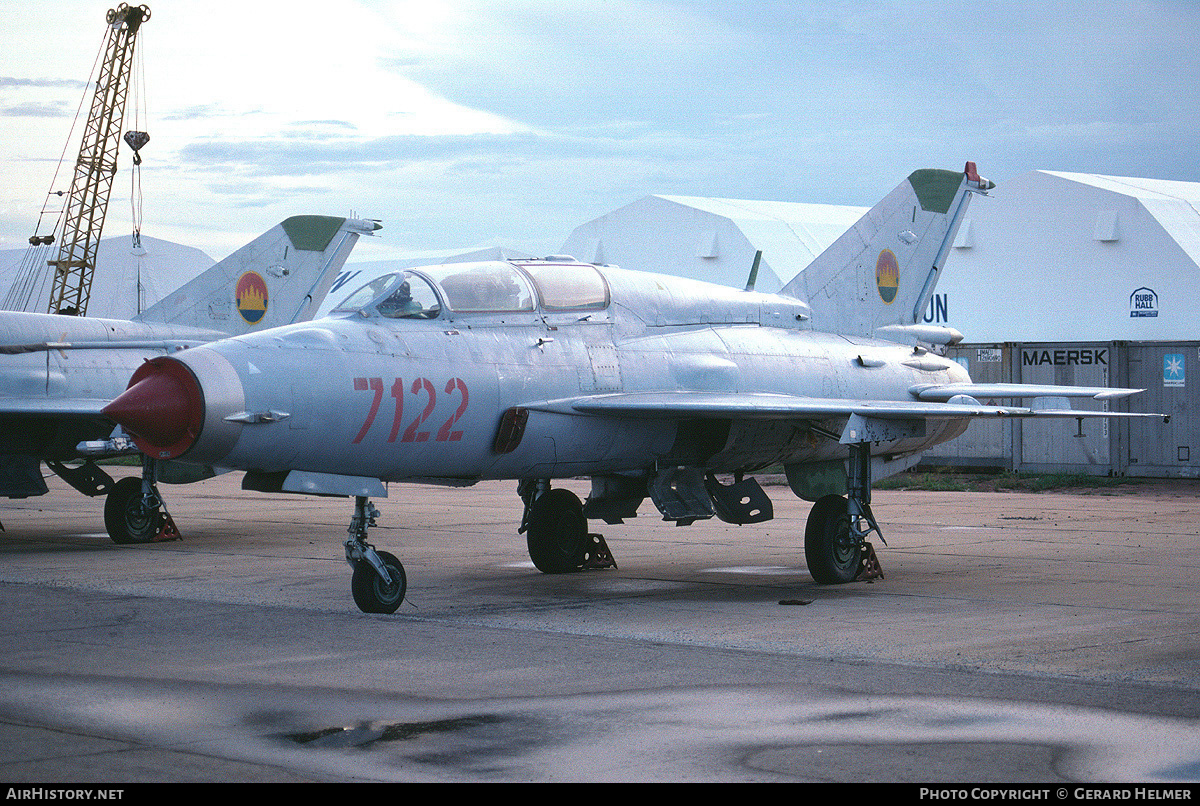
[
  {"x": 33, "y": 430},
  {"x": 62, "y": 407},
  {"x": 761, "y": 405}
]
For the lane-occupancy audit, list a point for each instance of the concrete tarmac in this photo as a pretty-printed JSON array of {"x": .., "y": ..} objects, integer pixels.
[{"x": 1014, "y": 638}]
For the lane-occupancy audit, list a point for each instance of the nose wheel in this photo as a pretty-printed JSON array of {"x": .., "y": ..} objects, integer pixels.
[
  {"x": 134, "y": 511},
  {"x": 378, "y": 583},
  {"x": 373, "y": 593}
]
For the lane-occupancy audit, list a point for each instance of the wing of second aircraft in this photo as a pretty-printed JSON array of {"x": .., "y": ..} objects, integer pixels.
[{"x": 57, "y": 407}]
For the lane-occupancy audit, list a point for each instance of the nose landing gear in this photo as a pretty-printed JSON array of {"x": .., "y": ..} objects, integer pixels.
[
  {"x": 378, "y": 583},
  {"x": 134, "y": 511}
]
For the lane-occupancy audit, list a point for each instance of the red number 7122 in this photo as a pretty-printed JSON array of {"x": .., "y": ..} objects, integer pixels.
[{"x": 420, "y": 387}]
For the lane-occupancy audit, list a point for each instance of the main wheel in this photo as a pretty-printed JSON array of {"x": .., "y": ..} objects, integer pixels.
[
  {"x": 371, "y": 594},
  {"x": 832, "y": 554},
  {"x": 557, "y": 534},
  {"x": 126, "y": 516}
]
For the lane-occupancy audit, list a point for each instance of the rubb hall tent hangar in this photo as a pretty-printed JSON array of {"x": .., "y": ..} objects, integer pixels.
[{"x": 1054, "y": 278}]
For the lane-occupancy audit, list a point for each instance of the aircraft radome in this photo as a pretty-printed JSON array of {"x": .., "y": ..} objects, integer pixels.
[
  {"x": 58, "y": 372},
  {"x": 653, "y": 386}
]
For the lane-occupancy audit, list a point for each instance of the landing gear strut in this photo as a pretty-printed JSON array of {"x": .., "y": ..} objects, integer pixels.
[
  {"x": 835, "y": 539},
  {"x": 378, "y": 583},
  {"x": 134, "y": 511}
]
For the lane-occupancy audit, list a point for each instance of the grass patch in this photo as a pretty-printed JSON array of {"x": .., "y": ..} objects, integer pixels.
[
  {"x": 1039, "y": 482},
  {"x": 122, "y": 461},
  {"x": 938, "y": 482},
  {"x": 943, "y": 481}
]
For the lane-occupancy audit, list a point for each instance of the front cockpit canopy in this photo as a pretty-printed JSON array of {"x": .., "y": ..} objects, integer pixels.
[
  {"x": 492, "y": 287},
  {"x": 482, "y": 287},
  {"x": 399, "y": 295}
]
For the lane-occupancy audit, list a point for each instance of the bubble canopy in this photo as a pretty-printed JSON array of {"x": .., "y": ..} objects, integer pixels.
[
  {"x": 492, "y": 287},
  {"x": 399, "y": 295}
]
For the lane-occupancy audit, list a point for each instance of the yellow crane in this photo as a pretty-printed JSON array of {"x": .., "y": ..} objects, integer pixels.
[{"x": 87, "y": 201}]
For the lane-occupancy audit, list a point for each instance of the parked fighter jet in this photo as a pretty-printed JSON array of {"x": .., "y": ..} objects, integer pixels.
[
  {"x": 58, "y": 372},
  {"x": 651, "y": 385}
]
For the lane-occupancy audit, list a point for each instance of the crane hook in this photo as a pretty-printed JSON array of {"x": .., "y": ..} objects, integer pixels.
[{"x": 136, "y": 140}]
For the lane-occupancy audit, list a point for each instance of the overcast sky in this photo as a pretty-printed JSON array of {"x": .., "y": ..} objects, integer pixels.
[{"x": 479, "y": 122}]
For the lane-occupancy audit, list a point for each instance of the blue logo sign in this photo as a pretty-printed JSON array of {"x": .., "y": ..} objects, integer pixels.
[
  {"x": 1173, "y": 369},
  {"x": 1143, "y": 302}
]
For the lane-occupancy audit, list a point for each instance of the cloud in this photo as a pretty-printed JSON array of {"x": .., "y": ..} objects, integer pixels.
[
  {"x": 469, "y": 120},
  {"x": 9, "y": 81},
  {"x": 33, "y": 109},
  {"x": 19, "y": 101},
  {"x": 276, "y": 156}
]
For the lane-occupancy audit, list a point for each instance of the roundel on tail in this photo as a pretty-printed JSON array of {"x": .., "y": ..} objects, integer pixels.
[
  {"x": 251, "y": 297},
  {"x": 887, "y": 276}
]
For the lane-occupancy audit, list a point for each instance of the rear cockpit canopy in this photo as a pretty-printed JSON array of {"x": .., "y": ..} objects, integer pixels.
[
  {"x": 568, "y": 286},
  {"x": 491, "y": 287}
]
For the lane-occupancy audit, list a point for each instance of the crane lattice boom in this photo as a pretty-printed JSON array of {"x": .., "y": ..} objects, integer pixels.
[{"x": 97, "y": 164}]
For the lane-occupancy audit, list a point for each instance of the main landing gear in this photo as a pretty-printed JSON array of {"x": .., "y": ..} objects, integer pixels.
[
  {"x": 134, "y": 510},
  {"x": 835, "y": 538},
  {"x": 556, "y": 530},
  {"x": 555, "y": 527},
  {"x": 378, "y": 583}
]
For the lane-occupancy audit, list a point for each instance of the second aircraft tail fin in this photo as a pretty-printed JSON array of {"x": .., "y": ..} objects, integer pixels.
[
  {"x": 882, "y": 271},
  {"x": 282, "y": 276}
]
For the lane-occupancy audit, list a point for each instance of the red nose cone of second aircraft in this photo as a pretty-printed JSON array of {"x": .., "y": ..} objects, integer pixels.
[{"x": 162, "y": 409}]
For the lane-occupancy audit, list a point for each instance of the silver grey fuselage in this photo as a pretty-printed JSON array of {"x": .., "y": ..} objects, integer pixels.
[{"x": 361, "y": 395}]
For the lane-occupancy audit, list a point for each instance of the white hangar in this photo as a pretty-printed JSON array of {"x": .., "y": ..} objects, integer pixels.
[
  {"x": 713, "y": 239},
  {"x": 127, "y": 279},
  {"x": 1076, "y": 257},
  {"x": 1056, "y": 277}
]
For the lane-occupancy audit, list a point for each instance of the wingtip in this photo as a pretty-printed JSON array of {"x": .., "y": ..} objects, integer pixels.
[{"x": 1113, "y": 394}]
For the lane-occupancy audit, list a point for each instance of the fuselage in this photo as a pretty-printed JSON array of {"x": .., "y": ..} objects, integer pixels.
[
  {"x": 57, "y": 373},
  {"x": 402, "y": 396}
]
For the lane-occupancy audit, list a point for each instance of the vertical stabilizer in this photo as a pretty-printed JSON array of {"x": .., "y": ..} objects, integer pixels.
[
  {"x": 882, "y": 271},
  {"x": 280, "y": 277}
]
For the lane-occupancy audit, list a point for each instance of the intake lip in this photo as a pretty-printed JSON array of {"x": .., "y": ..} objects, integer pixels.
[
  {"x": 181, "y": 406},
  {"x": 162, "y": 408}
]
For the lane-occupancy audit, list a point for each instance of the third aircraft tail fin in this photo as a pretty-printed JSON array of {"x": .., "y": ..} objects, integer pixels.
[{"x": 882, "y": 271}]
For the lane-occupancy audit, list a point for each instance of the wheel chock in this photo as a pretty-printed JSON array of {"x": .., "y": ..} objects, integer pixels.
[
  {"x": 167, "y": 532},
  {"x": 870, "y": 565},
  {"x": 598, "y": 554}
]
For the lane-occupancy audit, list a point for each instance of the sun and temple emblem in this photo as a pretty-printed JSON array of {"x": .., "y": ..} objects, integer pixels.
[
  {"x": 251, "y": 297},
  {"x": 887, "y": 276}
]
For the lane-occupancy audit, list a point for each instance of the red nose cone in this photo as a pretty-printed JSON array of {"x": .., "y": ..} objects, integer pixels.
[{"x": 162, "y": 409}]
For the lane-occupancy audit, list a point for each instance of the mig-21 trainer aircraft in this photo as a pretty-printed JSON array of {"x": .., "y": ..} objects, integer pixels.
[
  {"x": 653, "y": 386},
  {"x": 58, "y": 372}
]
